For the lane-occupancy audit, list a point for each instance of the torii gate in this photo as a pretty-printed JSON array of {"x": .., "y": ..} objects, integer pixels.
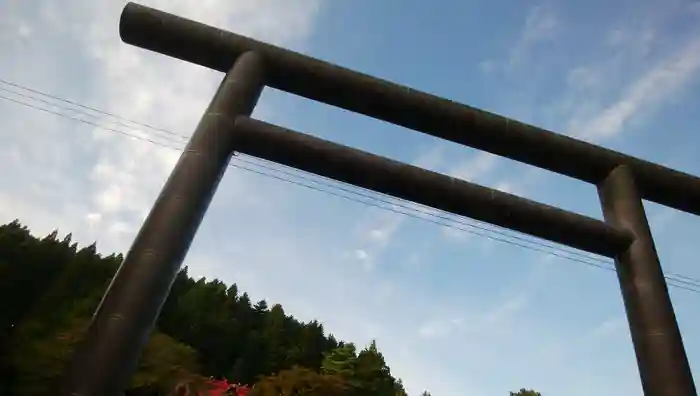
[{"x": 107, "y": 357}]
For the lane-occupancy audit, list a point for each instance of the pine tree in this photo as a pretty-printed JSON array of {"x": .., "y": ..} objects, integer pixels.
[{"x": 49, "y": 289}]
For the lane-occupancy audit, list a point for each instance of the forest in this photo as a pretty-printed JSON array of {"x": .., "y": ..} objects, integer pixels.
[{"x": 49, "y": 288}]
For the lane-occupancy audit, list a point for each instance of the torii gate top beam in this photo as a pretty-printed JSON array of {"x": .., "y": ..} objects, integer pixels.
[{"x": 334, "y": 85}]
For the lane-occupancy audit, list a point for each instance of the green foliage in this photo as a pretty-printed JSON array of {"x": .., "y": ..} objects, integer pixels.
[
  {"x": 39, "y": 356},
  {"x": 340, "y": 361},
  {"x": 372, "y": 373},
  {"x": 166, "y": 363},
  {"x": 525, "y": 392},
  {"x": 49, "y": 289},
  {"x": 299, "y": 381}
]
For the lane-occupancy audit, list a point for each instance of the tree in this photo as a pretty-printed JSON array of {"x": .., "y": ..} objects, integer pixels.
[
  {"x": 40, "y": 358},
  {"x": 300, "y": 381},
  {"x": 372, "y": 375},
  {"x": 400, "y": 390},
  {"x": 165, "y": 364},
  {"x": 525, "y": 392},
  {"x": 340, "y": 361},
  {"x": 49, "y": 288}
]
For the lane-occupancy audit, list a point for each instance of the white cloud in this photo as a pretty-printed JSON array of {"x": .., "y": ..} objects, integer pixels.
[
  {"x": 642, "y": 96},
  {"x": 387, "y": 224},
  {"x": 431, "y": 159},
  {"x": 480, "y": 321},
  {"x": 627, "y": 38},
  {"x": 361, "y": 254},
  {"x": 506, "y": 310},
  {"x": 24, "y": 30},
  {"x": 584, "y": 79},
  {"x": 143, "y": 85},
  {"x": 475, "y": 167},
  {"x": 540, "y": 25},
  {"x": 93, "y": 219},
  {"x": 379, "y": 227},
  {"x": 117, "y": 178},
  {"x": 439, "y": 328},
  {"x": 507, "y": 187},
  {"x": 606, "y": 328},
  {"x": 611, "y": 329}
]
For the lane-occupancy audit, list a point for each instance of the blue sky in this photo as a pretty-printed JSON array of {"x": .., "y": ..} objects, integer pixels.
[{"x": 455, "y": 313}]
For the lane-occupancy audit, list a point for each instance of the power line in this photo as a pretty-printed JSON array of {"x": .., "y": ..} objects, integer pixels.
[
  {"x": 675, "y": 280},
  {"x": 429, "y": 211},
  {"x": 413, "y": 215},
  {"x": 60, "y": 99},
  {"x": 597, "y": 263},
  {"x": 373, "y": 195},
  {"x": 87, "y": 122},
  {"x": 582, "y": 257},
  {"x": 335, "y": 184}
]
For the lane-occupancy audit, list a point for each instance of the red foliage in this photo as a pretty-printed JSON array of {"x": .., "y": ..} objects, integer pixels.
[{"x": 220, "y": 388}]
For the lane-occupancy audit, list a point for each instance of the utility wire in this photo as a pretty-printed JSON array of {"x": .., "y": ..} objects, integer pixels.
[
  {"x": 679, "y": 281},
  {"x": 60, "y": 99},
  {"x": 314, "y": 179},
  {"x": 392, "y": 208},
  {"x": 604, "y": 264},
  {"x": 373, "y": 195},
  {"x": 693, "y": 285},
  {"x": 429, "y": 211}
]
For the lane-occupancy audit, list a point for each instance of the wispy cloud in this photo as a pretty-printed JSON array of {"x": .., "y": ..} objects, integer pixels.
[
  {"x": 639, "y": 40},
  {"x": 114, "y": 180},
  {"x": 387, "y": 224},
  {"x": 374, "y": 234},
  {"x": 475, "y": 167},
  {"x": 505, "y": 310},
  {"x": 480, "y": 322},
  {"x": 606, "y": 329},
  {"x": 643, "y": 96},
  {"x": 440, "y": 328},
  {"x": 432, "y": 159},
  {"x": 598, "y": 334},
  {"x": 541, "y": 24}
]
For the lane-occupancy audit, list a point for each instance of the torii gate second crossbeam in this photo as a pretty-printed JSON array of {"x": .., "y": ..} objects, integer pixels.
[{"x": 107, "y": 357}]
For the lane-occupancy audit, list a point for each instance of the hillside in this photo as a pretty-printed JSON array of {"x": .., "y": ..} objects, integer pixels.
[{"x": 49, "y": 288}]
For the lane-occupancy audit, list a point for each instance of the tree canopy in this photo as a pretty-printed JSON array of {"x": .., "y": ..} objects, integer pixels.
[
  {"x": 525, "y": 392},
  {"x": 49, "y": 289}
]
